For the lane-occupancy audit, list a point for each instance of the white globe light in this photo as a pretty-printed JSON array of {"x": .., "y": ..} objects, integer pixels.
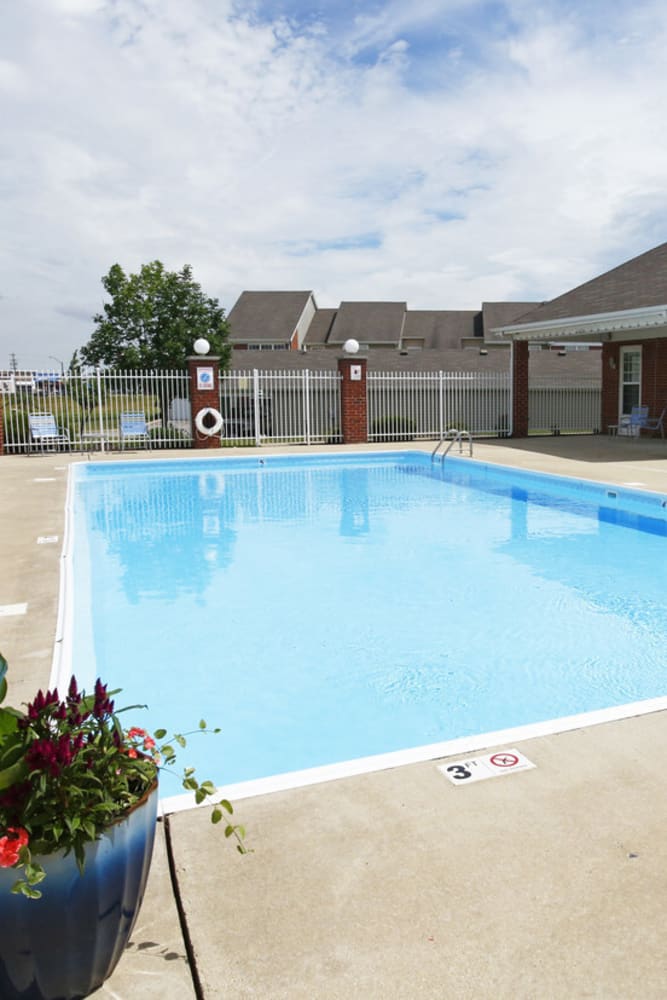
[
  {"x": 351, "y": 346},
  {"x": 201, "y": 346}
]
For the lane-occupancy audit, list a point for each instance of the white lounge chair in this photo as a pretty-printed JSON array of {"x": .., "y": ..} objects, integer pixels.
[
  {"x": 133, "y": 427},
  {"x": 45, "y": 432}
]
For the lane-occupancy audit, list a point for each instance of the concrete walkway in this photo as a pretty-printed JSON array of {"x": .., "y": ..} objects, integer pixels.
[{"x": 551, "y": 883}]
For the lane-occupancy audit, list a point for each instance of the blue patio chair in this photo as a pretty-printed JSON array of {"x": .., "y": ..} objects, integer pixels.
[
  {"x": 632, "y": 425},
  {"x": 657, "y": 424},
  {"x": 133, "y": 427},
  {"x": 45, "y": 432}
]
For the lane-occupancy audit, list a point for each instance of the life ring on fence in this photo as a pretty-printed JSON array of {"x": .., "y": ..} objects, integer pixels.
[{"x": 209, "y": 422}]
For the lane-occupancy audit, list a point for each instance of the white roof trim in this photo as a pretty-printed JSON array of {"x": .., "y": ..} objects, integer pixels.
[{"x": 579, "y": 326}]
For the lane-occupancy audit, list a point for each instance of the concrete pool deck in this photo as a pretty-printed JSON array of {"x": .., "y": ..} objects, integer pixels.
[{"x": 548, "y": 883}]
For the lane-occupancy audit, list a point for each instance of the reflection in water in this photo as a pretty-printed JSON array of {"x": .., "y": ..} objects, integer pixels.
[
  {"x": 354, "y": 505},
  {"x": 170, "y": 532},
  {"x": 519, "y": 514},
  {"x": 166, "y": 533}
]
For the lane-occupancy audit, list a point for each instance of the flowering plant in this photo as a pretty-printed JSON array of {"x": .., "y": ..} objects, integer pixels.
[{"x": 68, "y": 770}]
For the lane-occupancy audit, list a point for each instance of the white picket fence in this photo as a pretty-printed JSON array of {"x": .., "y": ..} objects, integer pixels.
[{"x": 283, "y": 407}]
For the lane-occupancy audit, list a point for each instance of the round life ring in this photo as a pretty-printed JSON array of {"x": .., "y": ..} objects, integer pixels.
[{"x": 203, "y": 421}]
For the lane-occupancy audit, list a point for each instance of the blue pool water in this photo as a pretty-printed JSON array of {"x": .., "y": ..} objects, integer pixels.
[{"x": 324, "y": 609}]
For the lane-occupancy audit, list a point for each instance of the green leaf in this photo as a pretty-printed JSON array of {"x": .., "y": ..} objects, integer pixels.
[
  {"x": 34, "y": 874},
  {"x": 12, "y": 774},
  {"x": 89, "y": 827},
  {"x": 159, "y": 734},
  {"x": 202, "y": 724},
  {"x": 226, "y": 804},
  {"x": 8, "y": 721},
  {"x": 25, "y": 890}
]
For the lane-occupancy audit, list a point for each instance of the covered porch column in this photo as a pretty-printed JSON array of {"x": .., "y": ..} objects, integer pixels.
[{"x": 519, "y": 388}]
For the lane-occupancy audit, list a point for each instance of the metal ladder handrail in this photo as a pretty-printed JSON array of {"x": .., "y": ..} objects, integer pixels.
[{"x": 451, "y": 437}]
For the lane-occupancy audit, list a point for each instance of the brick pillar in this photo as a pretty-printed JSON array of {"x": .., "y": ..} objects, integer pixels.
[
  {"x": 353, "y": 413},
  {"x": 2, "y": 429},
  {"x": 654, "y": 375},
  {"x": 610, "y": 376},
  {"x": 204, "y": 393},
  {"x": 520, "y": 388}
]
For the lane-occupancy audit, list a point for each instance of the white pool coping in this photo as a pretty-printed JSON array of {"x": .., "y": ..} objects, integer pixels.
[{"x": 415, "y": 755}]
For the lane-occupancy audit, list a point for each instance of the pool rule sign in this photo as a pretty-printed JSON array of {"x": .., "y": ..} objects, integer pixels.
[{"x": 491, "y": 765}]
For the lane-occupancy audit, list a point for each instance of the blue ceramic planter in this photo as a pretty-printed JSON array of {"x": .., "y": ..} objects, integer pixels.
[{"x": 64, "y": 945}]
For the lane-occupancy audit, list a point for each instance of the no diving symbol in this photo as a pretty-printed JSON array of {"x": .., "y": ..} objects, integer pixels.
[{"x": 504, "y": 760}]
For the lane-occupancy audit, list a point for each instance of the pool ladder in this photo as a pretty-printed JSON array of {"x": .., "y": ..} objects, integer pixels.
[{"x": 450, "y": 438}]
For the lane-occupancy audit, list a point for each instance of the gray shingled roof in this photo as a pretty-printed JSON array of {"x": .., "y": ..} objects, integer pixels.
[
  {"x": 439, "y": 329},
  {"x": 638, "y": 283},
  {"x": 575, "y": 364},
  {"x": 368, "y": 322},
  {"x": 266, "y": 316},
  {"x": 318, "y": 331},
  {"x": 502, "y": 314}
]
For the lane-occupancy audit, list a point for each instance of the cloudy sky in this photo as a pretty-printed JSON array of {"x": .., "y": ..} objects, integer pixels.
[{"x": 442, "y": 152}]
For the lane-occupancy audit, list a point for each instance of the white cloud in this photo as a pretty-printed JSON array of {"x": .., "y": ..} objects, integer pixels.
[{"x": 197, "y": 133}]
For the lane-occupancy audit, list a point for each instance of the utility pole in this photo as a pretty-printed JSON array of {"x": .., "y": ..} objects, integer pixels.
[{"x": 12, "y": 363}]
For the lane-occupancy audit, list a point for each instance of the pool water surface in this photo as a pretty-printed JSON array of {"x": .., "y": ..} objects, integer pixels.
[{"x": 325, "y": 609}]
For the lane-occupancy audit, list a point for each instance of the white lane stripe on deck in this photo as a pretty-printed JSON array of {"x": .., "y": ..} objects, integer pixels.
[{"x": 7, "y": 610}]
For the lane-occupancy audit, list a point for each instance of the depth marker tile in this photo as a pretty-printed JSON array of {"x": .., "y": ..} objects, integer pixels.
[{"x": 491, "y": 765}]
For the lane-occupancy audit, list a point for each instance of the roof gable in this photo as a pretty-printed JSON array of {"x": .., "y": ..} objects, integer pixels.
[
  {"x": 368, "y": 322},
  {"x": 266, "y": 316}
]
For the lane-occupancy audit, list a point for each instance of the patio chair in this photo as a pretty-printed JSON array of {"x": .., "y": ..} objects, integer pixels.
[
  {"x": 631, "y": 425},
  {"x": 133, "y": 427},
  {"x": 657, "y": 424},
  {"x": 45, "y": 432}
]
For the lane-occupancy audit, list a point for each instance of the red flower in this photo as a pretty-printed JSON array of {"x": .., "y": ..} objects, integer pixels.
[
  {"x": 135, "y": 731},
  {"x": 11, "y": 844}
]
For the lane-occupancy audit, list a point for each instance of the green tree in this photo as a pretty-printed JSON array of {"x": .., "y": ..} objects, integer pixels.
[{"x": 153, "y": 319}]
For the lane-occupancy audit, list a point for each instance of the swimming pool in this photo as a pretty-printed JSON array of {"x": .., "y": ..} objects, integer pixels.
[{"x": 330, "y": 609}]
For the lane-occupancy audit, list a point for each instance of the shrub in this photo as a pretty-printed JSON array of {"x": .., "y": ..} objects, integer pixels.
[{"x": 394, "y": 428}]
